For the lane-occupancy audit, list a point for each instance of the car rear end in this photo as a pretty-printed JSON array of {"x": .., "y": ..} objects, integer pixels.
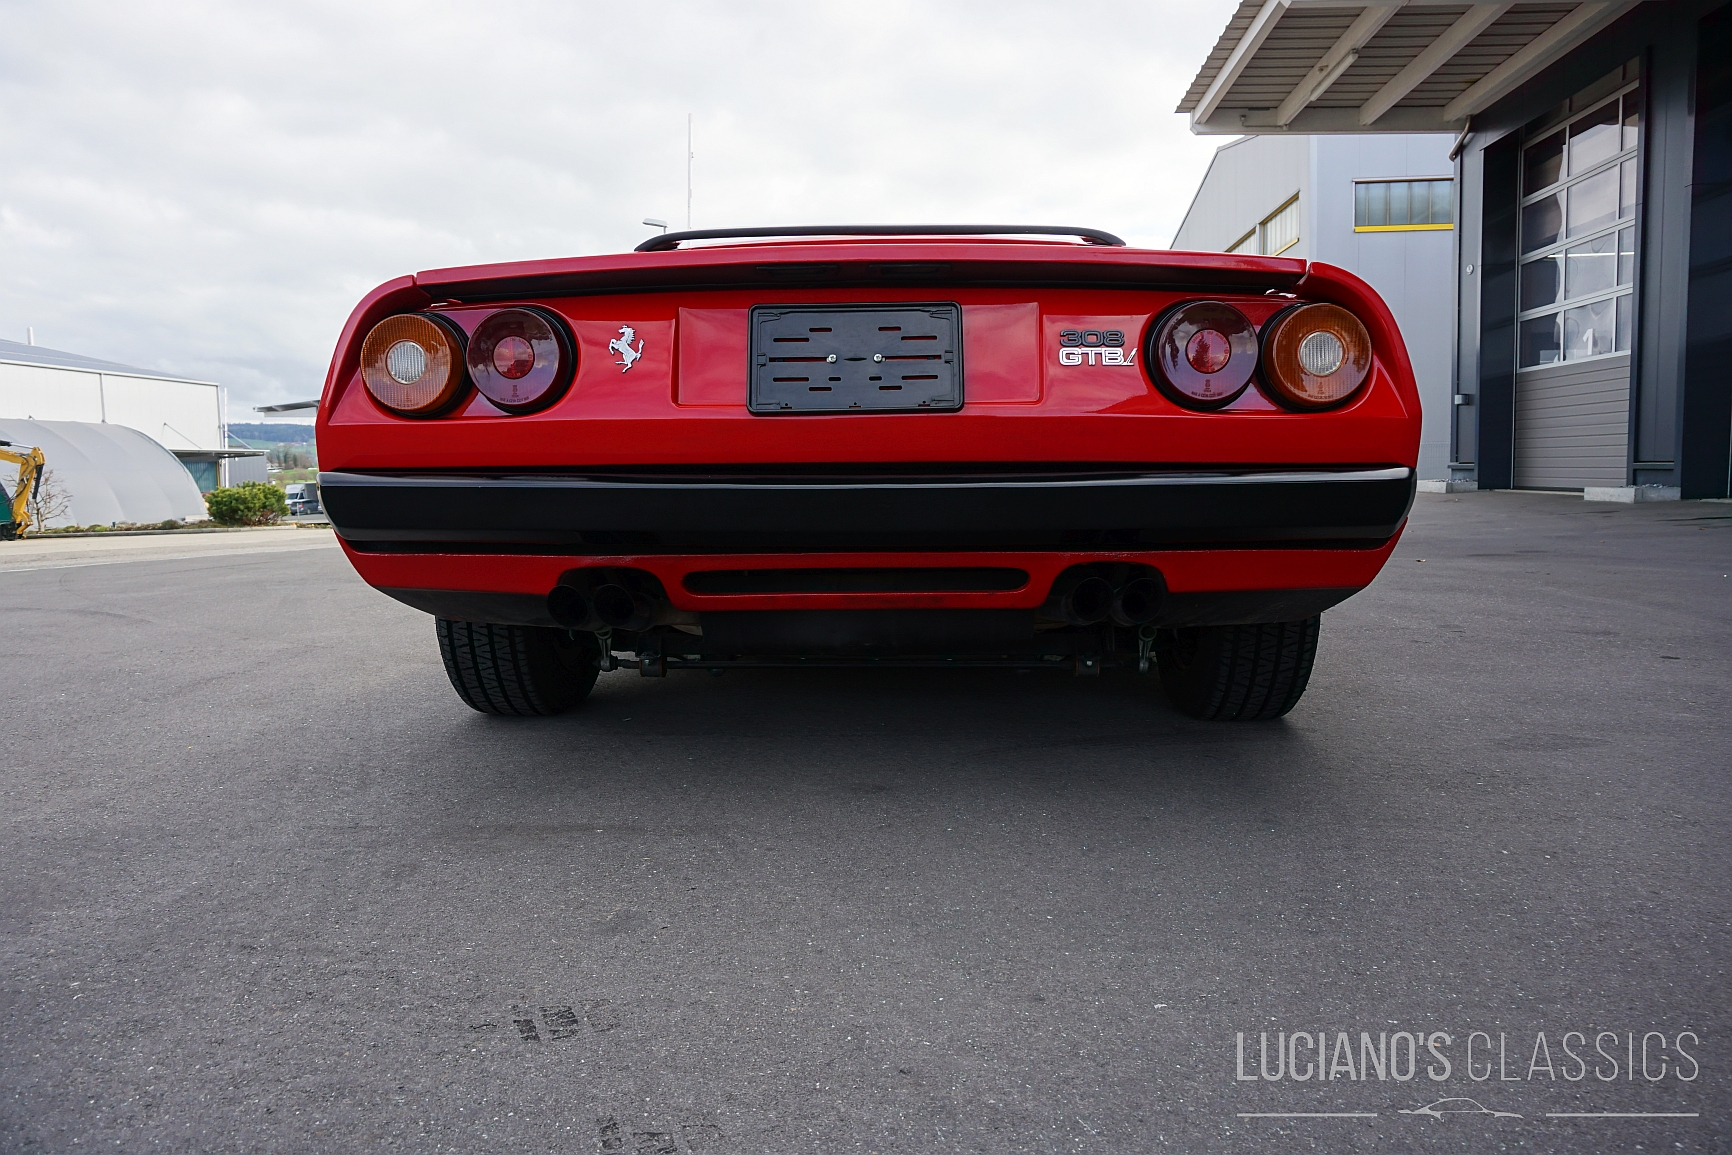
[{"x": 896, "y": 451}]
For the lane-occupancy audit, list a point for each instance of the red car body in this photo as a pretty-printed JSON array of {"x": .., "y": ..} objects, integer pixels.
[{"x": 1249, "y": 513}]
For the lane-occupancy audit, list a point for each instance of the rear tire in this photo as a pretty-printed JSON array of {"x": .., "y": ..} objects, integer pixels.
[
  {"x": 1237, "y": 673},
  {"x": 518, "y": 670}
]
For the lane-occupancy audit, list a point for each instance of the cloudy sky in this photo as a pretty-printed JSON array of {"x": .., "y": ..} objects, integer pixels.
[{"x": 209, "y": 188}]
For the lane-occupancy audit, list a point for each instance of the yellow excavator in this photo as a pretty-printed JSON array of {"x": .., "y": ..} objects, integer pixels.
[{"x": 16, "y": 506}]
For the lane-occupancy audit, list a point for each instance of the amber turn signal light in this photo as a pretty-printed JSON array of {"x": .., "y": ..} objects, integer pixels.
[
  {"x": 1315, "y": 356},
  {"x": 413, "y": 364},
  {"x": 1202, "y": 354}
]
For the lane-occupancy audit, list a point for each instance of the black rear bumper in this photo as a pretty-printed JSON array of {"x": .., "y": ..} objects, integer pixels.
[
  {"x": 709, "y": 513},
  {"x": 924, "y": 631}
]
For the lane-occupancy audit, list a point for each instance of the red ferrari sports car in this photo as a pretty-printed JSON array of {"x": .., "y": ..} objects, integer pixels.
[{"x": 897, "y": 446}]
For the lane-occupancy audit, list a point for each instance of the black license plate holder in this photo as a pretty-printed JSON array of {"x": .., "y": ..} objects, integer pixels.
[{"x": 891, "y": 358}]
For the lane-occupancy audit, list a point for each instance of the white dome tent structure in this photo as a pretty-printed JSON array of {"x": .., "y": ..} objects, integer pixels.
[{"x": 108, "y": 474}]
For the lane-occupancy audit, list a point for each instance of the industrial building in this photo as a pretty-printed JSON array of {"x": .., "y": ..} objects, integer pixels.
[
  {"x": 187, "y": 418},
  {"x": 1592, "y": 256},
  {"x": 1382, "y": 207}
]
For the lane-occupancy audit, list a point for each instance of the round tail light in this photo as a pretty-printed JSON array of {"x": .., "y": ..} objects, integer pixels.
[
  {"x": 1315, "y": 356},
  {"x": 1202, "y": 354},
  {"x": 521, "y": 359},
  {"x": 413, "y": 364}
]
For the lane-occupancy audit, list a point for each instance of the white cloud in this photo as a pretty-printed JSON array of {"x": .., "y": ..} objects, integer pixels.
[{"x": 209, "y": 188}]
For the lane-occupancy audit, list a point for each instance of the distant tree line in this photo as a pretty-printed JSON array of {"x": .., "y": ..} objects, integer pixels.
[
  {"x": 272, "y": 432},
  {"x": 291, "y": 457}
]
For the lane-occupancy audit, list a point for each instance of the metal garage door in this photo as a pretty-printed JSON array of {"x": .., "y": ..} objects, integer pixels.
[
  {"x": 1572, "y": 424},
  {"x": 1580, "y": 190}
]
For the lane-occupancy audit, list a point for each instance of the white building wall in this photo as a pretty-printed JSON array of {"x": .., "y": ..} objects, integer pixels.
[
  {"x": 37, "y": 392},
  {"x": 1248, "y": 179},
  {"x": 175, "y": 414},
  {"x": 1413, "y": 271}
]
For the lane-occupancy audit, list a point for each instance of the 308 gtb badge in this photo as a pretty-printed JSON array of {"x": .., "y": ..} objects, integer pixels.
[{"x": 1094, "y": 347}]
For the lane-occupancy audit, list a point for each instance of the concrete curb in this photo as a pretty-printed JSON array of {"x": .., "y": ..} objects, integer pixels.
[
  {"x": 1631, "y": 494},
  {"x": 167, "y": 532}
]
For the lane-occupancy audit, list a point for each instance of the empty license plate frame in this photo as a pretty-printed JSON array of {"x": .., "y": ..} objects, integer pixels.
[{"x": 896, "y": 357}]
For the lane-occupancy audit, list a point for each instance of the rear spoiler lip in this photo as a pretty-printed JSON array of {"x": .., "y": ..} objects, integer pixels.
[{"x": 865, "y": 265}]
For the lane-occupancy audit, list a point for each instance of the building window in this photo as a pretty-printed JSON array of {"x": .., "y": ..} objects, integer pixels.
[
  {"x": 1274, "y": 234},
  {"x": 1279, "y": 231},
  {"x": 1390, "y": 206},
  {"x": 1578, "y": 234}
]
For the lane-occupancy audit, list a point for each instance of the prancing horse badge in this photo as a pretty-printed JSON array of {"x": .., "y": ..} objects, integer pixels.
[{"x": 622, "y": 345}]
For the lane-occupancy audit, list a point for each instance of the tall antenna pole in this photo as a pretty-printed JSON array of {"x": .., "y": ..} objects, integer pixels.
[{"x": 688, "y": 171}]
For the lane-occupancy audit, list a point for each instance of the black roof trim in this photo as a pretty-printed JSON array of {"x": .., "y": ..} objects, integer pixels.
[{"x": 667, "y": 241}]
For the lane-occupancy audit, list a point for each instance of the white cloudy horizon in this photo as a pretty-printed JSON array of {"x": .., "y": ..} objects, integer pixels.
[{"x": 208, "y": 188}]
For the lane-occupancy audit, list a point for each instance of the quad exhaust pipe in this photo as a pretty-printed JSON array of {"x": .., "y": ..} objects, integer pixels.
[
  {"x": 1137, "y": 603},
  {"x": 1082, "y": 602},
  {"x": 573, "y": 609},
  {"x": 623, "y": 609},
  {"x": 1088, "y": 600},
  {"x": 607, "y": 607},
  {"x": 577, "y": 604}
]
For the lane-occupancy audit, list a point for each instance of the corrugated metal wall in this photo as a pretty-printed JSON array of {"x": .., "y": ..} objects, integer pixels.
[
  {"x": 1247, "y": 180},
  {"x": 1572, "y": 424}
]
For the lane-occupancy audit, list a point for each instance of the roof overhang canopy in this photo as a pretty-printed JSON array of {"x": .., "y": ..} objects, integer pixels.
[
  {"x": 1324, "y": 66},
  {"x": 215, "y": 454}
]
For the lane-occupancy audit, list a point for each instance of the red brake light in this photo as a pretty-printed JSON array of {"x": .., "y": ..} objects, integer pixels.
[
  {"x": 522, "y": 359},
  {"x": 514, "y": 357},
  {"x": 1208, "y": 351},
  {"x": 1202, "y": 354}
]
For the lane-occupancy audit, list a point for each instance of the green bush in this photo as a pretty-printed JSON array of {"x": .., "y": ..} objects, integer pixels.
[{"x": 249, "y": 503}]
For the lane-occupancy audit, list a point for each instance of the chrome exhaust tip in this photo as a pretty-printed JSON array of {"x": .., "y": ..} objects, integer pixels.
[
  {"x": 1137, "y": 603},
  {"x": 572, "y": 609},
  {"x": 1086, "y": 603},
  {"x": 622, "y": 609}
]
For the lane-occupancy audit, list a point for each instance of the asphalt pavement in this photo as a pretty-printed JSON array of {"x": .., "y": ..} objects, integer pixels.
[
  {"x": 266, "y": 885},
  {"x": 56, "y": 552}
]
